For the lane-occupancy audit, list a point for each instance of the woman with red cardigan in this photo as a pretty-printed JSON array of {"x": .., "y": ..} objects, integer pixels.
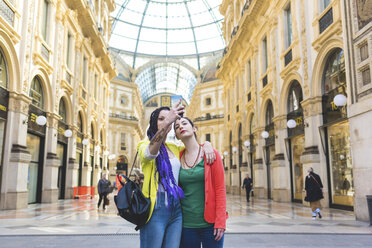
[{"x": 204, "y": 203}]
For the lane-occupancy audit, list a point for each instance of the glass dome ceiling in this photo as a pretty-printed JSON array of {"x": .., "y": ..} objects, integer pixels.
[{"x": 167, "y": 28}]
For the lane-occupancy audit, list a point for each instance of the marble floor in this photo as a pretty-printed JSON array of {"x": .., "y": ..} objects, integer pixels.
[{"x": 81, "y": 217}]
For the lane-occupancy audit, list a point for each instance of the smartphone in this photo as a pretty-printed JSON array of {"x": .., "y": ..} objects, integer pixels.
[{"x": 175, "y": 99}]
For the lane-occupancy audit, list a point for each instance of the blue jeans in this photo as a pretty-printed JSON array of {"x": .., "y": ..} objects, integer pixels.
[
  {"x": 165, "y": 225},
  {"x": 194, "y": 237}
]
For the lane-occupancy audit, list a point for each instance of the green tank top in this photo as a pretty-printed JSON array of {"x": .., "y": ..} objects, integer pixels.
[{"x": 192, "y": 182}]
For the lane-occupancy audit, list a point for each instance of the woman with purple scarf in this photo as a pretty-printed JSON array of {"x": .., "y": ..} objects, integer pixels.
[{"x": 160, "y": 165}]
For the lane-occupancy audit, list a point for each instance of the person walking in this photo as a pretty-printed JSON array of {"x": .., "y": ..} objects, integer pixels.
[
  {"x": 314, "y": 192},
  {"x": 160, "y": 165},
  {"x": 204, "y": 204},
  {"x": 103, "y": 189},
  {"x": 247, "y": 184}
]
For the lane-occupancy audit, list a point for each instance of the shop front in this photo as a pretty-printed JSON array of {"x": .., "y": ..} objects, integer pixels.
[
  {"x": 269, "y": 148},
  {"x": 62, "y": 157},
  {"x": 295, "y": 143},
  {"x": 335, "y": 134},
  {"x": 35, "y": 145},
  {"x": 252, "y": 147},
  {"x": 4, "y": 99},
  {"x": 79, "y": 156}
]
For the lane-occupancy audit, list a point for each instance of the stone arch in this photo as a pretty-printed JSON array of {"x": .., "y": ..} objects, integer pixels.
[
  {"x": 10, "y": 54},
  {"x": 69, "y": 108},
  {"x": 294, "y": 76},
  {"x": 47, "y": 88},
  {"x": 83, "y": 119},
  {"x": 93, "y": 125},
  {"x": 321, "y": 59},
  {"x": 261, "y": 123},
  {"x": 152, "y": 62},
  {"x": 249, "y": 117}
]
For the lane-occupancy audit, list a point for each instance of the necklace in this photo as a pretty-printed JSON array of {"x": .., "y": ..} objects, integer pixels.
[{"x": 184, "y": 159}]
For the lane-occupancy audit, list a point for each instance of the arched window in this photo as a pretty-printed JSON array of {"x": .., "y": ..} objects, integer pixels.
[
  {"x": 92, "y": 131},
  {"x": 3, "y": 71},
  {"x": 36, "y": 93},
  {"x": 80, "y": 123},
  {"x": 294, "y": 97},
  {"x": 269, "y": 113},
  {"x": 334, "y": 72},
  {"x": 252, "y": 125},
  {"x": 62, "y": 110}
]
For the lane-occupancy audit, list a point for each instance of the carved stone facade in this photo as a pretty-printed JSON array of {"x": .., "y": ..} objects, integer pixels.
[
  {"x": 43, "y": 46},
  {"x": 277, "y": 67}
]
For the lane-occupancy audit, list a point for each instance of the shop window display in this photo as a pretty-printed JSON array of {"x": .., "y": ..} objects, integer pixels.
[{"x": 341, "y": 165}]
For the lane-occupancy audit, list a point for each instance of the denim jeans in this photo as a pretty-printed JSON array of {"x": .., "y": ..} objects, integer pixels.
[
  {"x": 194, "y": 237},
  {"x": 165, "y": 225}
]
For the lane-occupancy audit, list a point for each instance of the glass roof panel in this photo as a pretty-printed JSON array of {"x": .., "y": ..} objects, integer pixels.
[
  {"x": 166, "y": 28},
  {"x": 166, "y": 78}
]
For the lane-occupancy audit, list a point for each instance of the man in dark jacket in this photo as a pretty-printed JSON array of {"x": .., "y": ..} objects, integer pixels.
[
  {"x": 247, "y": 183},
  {"x": 314, "y": 192},
  {"x": 103, "y": 189}
]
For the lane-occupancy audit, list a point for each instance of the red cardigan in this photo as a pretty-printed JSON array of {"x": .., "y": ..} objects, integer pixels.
[{"x": 215, "y": 192}]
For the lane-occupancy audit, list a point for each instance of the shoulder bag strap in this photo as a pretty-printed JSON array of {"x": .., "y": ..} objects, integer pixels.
[{"x": 315, "y": 181}]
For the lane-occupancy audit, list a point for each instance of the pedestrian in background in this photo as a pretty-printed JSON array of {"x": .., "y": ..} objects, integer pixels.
[
  {"x": 103, "y": 189},
  {"x": 314, "y": 192},
  {"x": 247, "y": 184}
]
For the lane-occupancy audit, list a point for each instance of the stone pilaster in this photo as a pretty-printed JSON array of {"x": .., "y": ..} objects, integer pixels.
[
  {"x": 72, "y": 177},
  {"x": 50, "y": 187},
  {"x": 259, "y": 182},
  {"x": 14, "y": 193},
  {"x": 280, "y": 189},
  {"x": 314, "y": 156}
]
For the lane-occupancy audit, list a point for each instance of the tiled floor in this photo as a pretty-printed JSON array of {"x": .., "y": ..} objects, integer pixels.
[{"x": 258, "y": 216}]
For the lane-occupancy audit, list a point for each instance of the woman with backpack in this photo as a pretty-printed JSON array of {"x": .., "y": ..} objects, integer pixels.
[{"x": 160, "y": 165}]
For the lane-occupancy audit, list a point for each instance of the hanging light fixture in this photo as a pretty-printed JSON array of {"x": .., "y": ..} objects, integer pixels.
[
  {"x": 291, "y": 123},
  {"x": 85, "y": 142},
  {"x": 340, "y": 100},
  {"x": 265, "y": 134},
  {"x": 41, "y": 120},
  {"x": 68, "y": 133}
]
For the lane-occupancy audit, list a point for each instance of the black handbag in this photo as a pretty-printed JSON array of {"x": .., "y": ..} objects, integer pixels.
[{"x": 132, "y": 205}]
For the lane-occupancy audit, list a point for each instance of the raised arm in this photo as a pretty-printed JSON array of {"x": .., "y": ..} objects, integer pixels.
[{"x": 164, "y": 126}]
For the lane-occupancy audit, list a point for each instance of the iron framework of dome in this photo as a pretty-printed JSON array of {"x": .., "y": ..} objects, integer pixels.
[{"x": 189, "y": 29}]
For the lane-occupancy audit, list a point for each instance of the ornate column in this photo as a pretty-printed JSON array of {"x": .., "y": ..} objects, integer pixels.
[
  {"x": 281, "y": 188},
  {"x": 85, "y": 179},
  {"x": 312, "y": 157},
  {"x": 260, "y": 184},
  {"x": 50, "y": 187},
  {"x": 14, "y": 193},
  {"x": 72, "y": 166}
]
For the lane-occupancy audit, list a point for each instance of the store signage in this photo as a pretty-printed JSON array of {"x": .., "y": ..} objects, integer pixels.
[
  {"x": 62, "y": 127},
  {"x": 33, "y": 113},
  {"x": 79, "y": 141},
  {"x": 331, "y": 112},
  {"x": 298, "y": 117},
  {"x": 4, "y": 99},
  {"x": 271, "y": 130}
]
